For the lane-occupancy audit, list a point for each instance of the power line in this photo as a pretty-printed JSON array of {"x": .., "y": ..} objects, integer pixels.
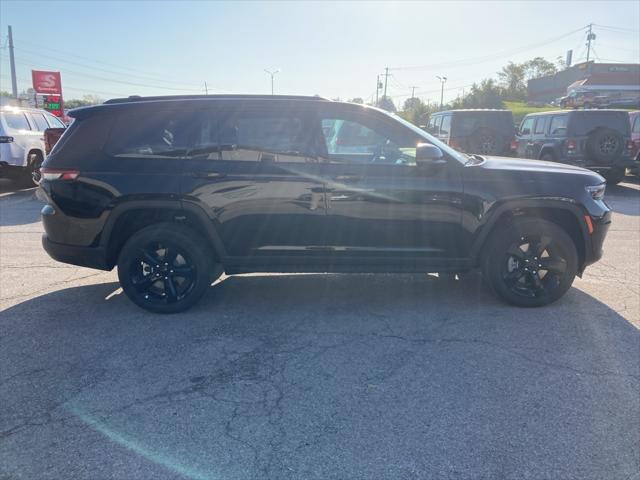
[
  {"x": 619, "y": 29},
  {"x": 496, "y": 56}
]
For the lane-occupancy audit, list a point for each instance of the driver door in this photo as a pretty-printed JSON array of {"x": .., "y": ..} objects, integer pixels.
[{"x": 380, "y": 204}]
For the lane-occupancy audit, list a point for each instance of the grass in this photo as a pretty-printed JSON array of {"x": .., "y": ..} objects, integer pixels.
[{"x": 520, "y": 109}]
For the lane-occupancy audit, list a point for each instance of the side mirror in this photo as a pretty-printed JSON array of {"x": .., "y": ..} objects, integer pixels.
[{"x": 427, "y": 154}]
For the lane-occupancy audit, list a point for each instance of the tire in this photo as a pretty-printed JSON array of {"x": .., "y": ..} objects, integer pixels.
[
  {"x": 485, "y": 141},
  {"x": 516, "y": 257},
  {"x": 614, "y": 176},
  {"x": 166, "y": 268},
  {"x": 31, "y": 175},
  {"x": 604, "y": 145}
]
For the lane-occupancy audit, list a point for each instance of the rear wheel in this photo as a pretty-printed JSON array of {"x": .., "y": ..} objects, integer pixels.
[
  {"x": 165, "y": 269},
  {"x": 604, "y": 145},
  {"x": 530, "y": 262},
  {"x": 31, "y": 175},
  {"x": 614, "y": 176}
]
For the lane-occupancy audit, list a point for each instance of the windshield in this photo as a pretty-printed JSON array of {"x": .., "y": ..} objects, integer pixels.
[{"x": 461, "y": 157}]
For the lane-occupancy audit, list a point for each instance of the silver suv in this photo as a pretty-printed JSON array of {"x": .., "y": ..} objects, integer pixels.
[{"x": 22, "y": 148}]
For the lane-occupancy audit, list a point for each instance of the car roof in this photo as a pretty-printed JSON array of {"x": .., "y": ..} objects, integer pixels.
[
  {"x": 117, "y": 103},
  {"x": 10, "y": 108},
  {"x": 473, "y": 110},
  {"x": 559, "y": 112}
]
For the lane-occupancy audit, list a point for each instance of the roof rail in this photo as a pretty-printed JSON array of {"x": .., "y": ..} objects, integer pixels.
[{"x": 138, "y": 98}]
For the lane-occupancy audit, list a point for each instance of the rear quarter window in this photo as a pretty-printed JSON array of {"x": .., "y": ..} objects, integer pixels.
[
  {"x": 583, "y": 123},
  {"x": 16, "y": 120},
  {"x": 467, "y": 123}
]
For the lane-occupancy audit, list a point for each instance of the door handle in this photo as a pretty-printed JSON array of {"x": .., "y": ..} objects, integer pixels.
[
  {"x": 348, "y": 178},
  {"x": 207, "y": 174}
]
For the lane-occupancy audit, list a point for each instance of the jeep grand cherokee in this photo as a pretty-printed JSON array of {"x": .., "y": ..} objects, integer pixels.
[{"x": 174, "y": 191}]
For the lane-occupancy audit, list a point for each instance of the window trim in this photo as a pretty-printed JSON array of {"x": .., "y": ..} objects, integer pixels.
[
  {"x": 566, "y": 125},
  {"x": 543, "y": 119}
]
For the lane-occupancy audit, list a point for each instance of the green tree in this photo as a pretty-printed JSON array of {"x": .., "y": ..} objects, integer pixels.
[
  {"x": 539, "y": 67},
  {"x": 487, "y": 94},
  {"x": 415, "y": 111},
  {"x": 86, "y": 101},
  {"x": 512, "y": 79},
  {"x": 357, "y": 100},
  {"x": 387, "y": 104}
]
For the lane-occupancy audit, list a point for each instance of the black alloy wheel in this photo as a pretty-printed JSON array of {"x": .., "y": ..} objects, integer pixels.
[
  {"x": 161, "y": 274},
  {"x": 533, "y": 266},
  {"x": 530, "y": 262},
  {"x": 166, "y": 267}
]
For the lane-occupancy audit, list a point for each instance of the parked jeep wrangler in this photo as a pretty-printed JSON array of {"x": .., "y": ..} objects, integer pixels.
[
  {"x": 174, "y": 191},
  {"x": 485, "y": 132},
  {"x": 595, "y": 139}
]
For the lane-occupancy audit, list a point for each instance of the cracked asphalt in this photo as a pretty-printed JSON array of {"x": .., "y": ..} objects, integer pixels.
[{"x": 317, "y": 376}]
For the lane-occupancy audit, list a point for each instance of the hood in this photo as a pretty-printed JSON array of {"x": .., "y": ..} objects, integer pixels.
[{"x": 535, "y": 166}]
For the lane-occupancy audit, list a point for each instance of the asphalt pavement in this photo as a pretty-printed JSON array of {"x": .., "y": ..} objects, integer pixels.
[{"x": 317, "y": 376}]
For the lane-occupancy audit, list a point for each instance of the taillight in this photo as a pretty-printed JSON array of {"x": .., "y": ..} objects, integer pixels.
[
  {"x": 630, "y": 145},
  {"x": 55, "y": 174},
  {"x": 453, "y": 144},
  {"x": 571, "y": 145},
  {"x": 514, "y": 145}
]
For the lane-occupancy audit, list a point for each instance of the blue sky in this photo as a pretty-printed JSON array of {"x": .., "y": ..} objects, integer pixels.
[{"x": 329, "y": 48}]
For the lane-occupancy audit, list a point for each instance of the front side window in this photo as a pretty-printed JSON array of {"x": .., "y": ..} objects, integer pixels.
[
  {"x": 434, "y": 125},
  {"x": 362, "y": 139},
  {"x": 527, "y": 126},
  {"x": 40, "y": 122},
  {"x": 445, "y": 128},
  {"x": 16, "y": 121},
  {"x": 558, "y": 125}
]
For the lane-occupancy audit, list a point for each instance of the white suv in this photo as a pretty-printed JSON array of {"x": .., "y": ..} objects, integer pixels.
[{"x": 22, "y": 148}]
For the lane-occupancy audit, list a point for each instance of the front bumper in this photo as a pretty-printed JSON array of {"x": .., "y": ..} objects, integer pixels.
[
  {"x": 595, "y": 241},
  {"x": 91, "y": 257}
]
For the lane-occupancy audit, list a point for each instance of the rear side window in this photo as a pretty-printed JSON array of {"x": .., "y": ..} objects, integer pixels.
[
  {"x": 541, "y": 122},
  {"x": 583, "y": 123},
  {"x": 434, "y": 125},
  {"x": 636, "y": 125},
  {"x": 160, "y": 133},
  {"x": 558, "y": 125},
  {"x": 54, "y": 122},
  {"x": 16, "y": 120},
  {"x": 40, "y": 122}
]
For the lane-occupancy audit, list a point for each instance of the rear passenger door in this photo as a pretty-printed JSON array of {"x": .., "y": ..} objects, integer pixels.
[{"x": 262, "y": 187}]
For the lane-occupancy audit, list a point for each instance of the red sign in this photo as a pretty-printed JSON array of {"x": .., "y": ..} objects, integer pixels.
[
  {"x": 53, "y": 104},
  {"x": 46, "y": 82}
]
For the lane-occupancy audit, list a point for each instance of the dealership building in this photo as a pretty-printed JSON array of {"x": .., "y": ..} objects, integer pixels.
[{"x": 586, "y": 74}]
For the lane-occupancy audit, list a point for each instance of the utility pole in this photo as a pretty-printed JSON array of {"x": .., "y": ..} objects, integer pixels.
[
  {"x": 206, "y": 90},
  {"x": 272, "y": 73},
  {"x": 443, "y": 80},
  {"x": 377, "y": 88},
  {"x": 413, "y": 92},
  {"x": 386, "y": 76},
  {"x": 12, "y": 61},
  {"x": 590, "y": 36}
]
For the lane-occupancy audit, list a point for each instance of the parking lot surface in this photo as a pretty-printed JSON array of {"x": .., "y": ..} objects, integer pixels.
[{"x": 317, "y": 376}]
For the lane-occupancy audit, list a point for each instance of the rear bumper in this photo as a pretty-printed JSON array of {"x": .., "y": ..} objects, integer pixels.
[{"x": 91, "y": 257}]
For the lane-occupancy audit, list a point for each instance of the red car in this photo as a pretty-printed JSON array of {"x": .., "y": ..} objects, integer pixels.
[{"x": 634, "y": 118}]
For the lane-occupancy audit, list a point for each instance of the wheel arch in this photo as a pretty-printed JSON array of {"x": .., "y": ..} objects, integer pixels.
[
  {"x": 548, "y": 148},
  {"x": 29, "y": 151},
  {"x": 564, "y": 213},
  {"x": 130, "y": 217}
]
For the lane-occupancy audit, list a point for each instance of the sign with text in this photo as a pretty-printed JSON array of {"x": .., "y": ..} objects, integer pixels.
[
  {"x": 53, "y": 104},
  {"x": 46, "y": 82}
]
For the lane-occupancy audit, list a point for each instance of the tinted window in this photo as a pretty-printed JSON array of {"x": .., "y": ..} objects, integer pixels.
[
  {"x": 445, "y": 128},
  {"x": 541, "y": 122},
  {"x": 160, "y": 133},
  {"x": 527, "y": 126},
  {"x": 434, "y": 125},
  {"x": 365, "y": 139},
  {"x": 467, "y": 123},
  {"x": 40, "y": 123},
  {"x": 558, "y": 125},
  {"x": 54, "y": 122},
  {"x": 583, "y": 123},
  {"x": 16, "y": 121},
  {"x": 636, "y": 125}
]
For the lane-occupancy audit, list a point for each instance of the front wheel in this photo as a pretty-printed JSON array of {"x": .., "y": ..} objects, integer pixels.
[
  {"x": 165, "y": 269},
  {"x": 530, "y": 262},
  {"x": 614, "y": 176}
]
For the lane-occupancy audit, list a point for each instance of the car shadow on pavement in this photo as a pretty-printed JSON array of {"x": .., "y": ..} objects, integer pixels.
[
  {"x": 320, "y": 376},
  {"x": 18, "y": 208},
  {"x": 624, "y": 198}
]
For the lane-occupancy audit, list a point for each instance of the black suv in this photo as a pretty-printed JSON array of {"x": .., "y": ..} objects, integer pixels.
[
  {"x": 596, "y": 139},
  {"x": 481, "y": 131},
  {"x": 177, "y": 190}
]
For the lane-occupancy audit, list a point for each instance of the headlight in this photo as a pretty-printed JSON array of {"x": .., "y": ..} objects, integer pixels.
[{"x": 596, "y": 191}]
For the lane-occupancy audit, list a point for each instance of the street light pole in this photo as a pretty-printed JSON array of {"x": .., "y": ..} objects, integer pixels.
[
  {"x": 442, "y": 82},
  {"x": 272, "y": 73}
]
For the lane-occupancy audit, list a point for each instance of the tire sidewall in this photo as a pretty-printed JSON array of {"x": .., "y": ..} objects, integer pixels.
[
  {"x": 502, "y": 239},
  {"x": 593, "y": 145},
  {"x": 172, "y": 235}
]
